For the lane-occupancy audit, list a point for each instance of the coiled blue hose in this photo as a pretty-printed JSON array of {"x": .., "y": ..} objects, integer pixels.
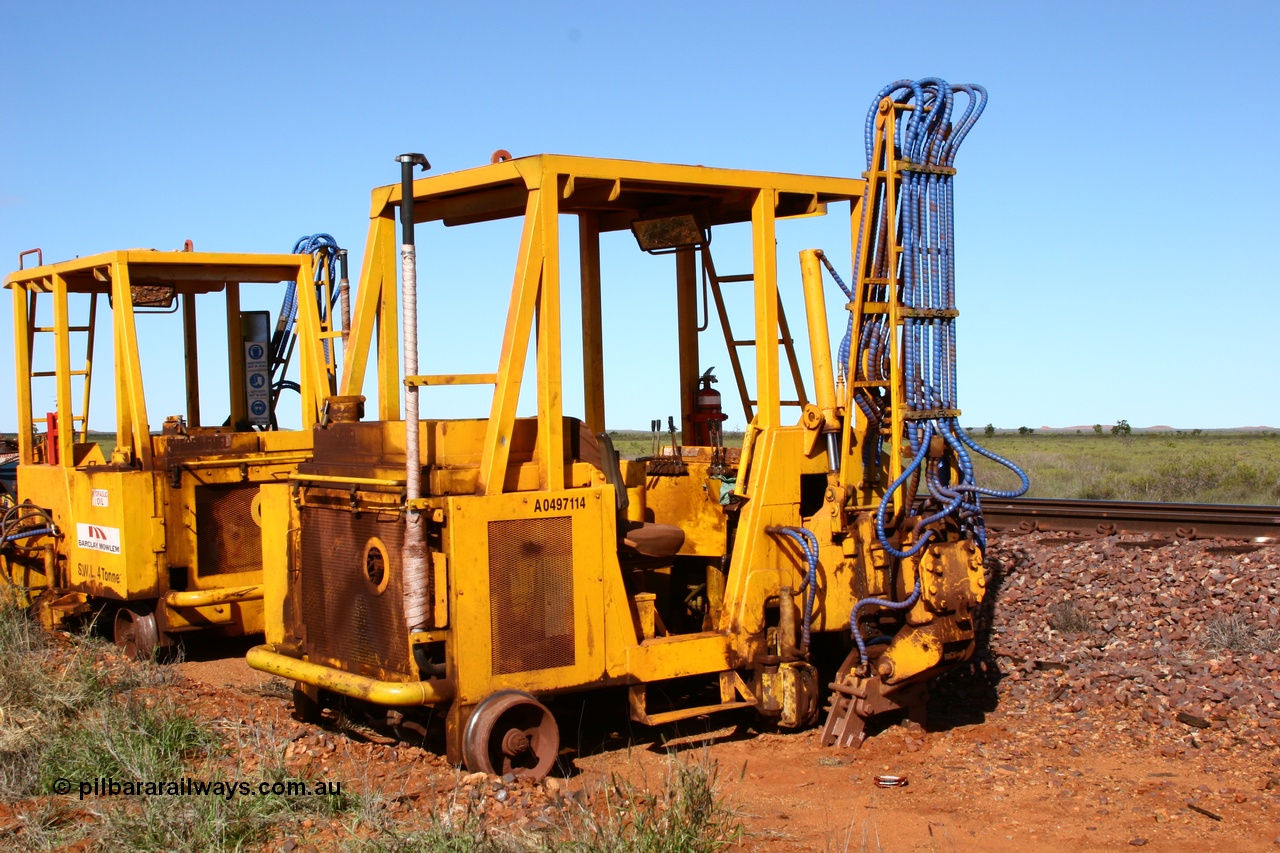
[
  {"x": 313, "y": 244},
  {"x": 282, "y": 338},
  {"x": 926, "y": 230}
]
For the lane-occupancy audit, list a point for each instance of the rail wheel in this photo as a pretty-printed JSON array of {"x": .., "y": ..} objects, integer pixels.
[
  {"x": 136, "y": 633},
  {"x": 511, "y": 732}
]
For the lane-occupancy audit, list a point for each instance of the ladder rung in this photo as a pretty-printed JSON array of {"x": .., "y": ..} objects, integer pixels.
[
  {"x": 780, "y": 403},
  {"x": 743, "y": 277},
  {"x": 452, "y": 379},
  {"x": 40, "y": 373},
  {"x": 331, "y": 334},
  {"x": 54, "y": 329},
  {"x": 750, "y": 342},
  {"x": 869, "y": 307}
]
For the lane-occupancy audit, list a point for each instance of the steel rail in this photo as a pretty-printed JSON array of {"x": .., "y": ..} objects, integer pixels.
[{"x": 1259, "y": 524}]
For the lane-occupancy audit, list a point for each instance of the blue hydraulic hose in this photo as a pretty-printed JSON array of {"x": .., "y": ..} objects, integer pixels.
[
  {"x": 310, "y": 245},
  {"x": 928, "y": 135},
  {"x": 809, "y": 546},
  {"x": 313, "y": 244},
  {"x": 906, "y": 604},
  {"x": 27, "y": 534},
  {"x": 927, "y": 226}
]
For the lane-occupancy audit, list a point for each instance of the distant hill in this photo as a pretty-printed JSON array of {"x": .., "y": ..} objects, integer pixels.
[{"x": 1156, "y": 428}]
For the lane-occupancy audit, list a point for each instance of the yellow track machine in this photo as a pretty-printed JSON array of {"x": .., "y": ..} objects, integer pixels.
[
  {"x": 156, "y": 531},
  {"x": 474, "y": 566}
]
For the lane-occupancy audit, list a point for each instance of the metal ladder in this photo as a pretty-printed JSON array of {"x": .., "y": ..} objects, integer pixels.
[
  {"x": 713, "y": 281},
  {"x": 62, "y": 343}
]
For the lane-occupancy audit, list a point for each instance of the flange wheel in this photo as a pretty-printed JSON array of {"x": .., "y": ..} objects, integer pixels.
[
  {"x": 511, "y": 732},
  {"x": 136, "y": 634}
]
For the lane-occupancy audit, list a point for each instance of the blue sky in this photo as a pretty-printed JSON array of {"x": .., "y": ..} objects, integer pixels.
[{"x": 1116, "y": 210}]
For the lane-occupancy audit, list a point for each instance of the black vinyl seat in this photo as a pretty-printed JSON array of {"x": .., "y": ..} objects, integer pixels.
[{"x": 644, "y": 537}]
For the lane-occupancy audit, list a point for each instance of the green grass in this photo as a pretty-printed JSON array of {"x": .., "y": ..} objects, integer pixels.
[
  {"x": 1226, "y": 468},
  {"x": 71, "y": 709},
  {"x": 1211, "y": 467},
  {"x": 632, "y": 444},
  {"x": 682, "y": 815},
  {"x": 70, "y": 713}
]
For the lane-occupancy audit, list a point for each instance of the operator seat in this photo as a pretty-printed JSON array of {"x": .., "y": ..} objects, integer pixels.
[{"x": 644, "y": 537}]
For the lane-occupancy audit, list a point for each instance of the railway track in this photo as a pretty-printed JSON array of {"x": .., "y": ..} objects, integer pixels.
[{"x": 1090, "y": 519}]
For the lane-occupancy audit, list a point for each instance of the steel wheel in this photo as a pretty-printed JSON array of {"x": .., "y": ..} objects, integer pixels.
[
  {"x": 511, "y": 732},
  {"x": 136, "y": 634}
]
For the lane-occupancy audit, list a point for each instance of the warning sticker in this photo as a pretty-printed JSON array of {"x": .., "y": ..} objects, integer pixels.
[
  {"x": 96, "y": 537},
  {"x": 257, "y": 378}
]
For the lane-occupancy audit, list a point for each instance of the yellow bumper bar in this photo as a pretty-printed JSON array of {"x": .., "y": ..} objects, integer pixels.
[
  {"x": 401, "y": 693},
  {"x": 205, "y": 597}
]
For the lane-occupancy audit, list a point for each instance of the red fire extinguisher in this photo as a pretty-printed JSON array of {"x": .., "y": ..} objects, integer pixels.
[{"x": 707, "y": 419}]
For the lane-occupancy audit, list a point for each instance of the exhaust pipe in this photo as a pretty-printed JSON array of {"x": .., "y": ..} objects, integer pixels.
[{"x": 414, "y": 559}]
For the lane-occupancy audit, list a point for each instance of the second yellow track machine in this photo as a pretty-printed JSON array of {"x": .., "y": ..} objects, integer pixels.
[{"x": 157, "y": 532}]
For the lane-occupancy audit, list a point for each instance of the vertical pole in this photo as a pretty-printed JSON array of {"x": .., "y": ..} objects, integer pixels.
[
  {"x": 129, "y": 363},
  {"x": 388, "y": 317},
  {"x": 62, "y": 369},
  {"x": 687, "y": 324},
  {"x": 765, "y": 254},
  {"x": 312, "y": 361},
  {"x": 550, "y": 405},
  {"x": 824, "y": 383},
  {"x": 22, "y": 365},
  {"x": 344, "y": 297},
  {"x": 416, "y": 603},
  {"x": 496, "y": 449},
  {"x": 192, "y": 358},
  {"x": 90, "y": 337},
  {"x": 887, "y": 132},
  {"x": 815, "y": 303},
  {"x": 123, "y": 454},
  {"x": 592, "y": 325},
  {"x": 235, "y": 357}
]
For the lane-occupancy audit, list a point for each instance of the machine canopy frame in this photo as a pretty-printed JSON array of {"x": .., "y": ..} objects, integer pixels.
[{"x": 607, "y": 195}]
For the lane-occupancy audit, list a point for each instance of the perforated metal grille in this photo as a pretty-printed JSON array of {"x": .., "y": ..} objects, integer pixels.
[
  {"x": 346, "y": 622},
  {"x": 531, "y": 594},
  {"x": 227, "y": 538}
]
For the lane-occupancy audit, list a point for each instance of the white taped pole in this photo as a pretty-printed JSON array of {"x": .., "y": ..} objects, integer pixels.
[
  {"x": 344, "y": 294},
  {"x": 414, "y": 557}
]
